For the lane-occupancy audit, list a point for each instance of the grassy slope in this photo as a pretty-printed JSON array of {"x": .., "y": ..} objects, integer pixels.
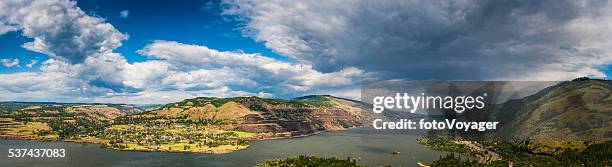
[{"x": 570, "y": 115}]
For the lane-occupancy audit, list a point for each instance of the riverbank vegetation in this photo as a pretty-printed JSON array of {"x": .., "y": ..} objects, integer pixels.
[
  {"x": 442, "y": 142},
  {"x": 310, "y": 161},
  {"x": 519, "y": 154}
]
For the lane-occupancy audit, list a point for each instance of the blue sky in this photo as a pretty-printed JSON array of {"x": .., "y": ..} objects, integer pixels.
[
  {"x": 160, "y": 51},
  {"x": 193, "y": 22},
  {"x": 608, "y": 70},
  {"x": 10, "y": 47}
]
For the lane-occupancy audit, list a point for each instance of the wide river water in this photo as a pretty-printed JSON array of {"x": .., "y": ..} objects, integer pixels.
[{"x": 372, "y": 147}]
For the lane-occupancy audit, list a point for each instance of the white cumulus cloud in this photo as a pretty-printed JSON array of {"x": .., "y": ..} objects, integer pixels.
[
  {"x": 9, "y": 63},
  {"x": 32, "y": 63},
  {"x": 60, "y": 29},
  {"x": 193, "y": 67},
  {"x": 124, "y": 14}
]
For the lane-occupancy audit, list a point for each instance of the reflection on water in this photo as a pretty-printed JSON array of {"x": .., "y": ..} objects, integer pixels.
[{"x": 372, "y": 147}]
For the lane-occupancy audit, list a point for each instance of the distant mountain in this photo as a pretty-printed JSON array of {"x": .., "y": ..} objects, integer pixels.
[
  {"x": 574, "y": 110},
  {"x": 147, "y": 107},
  {"x": 96, "y": 111}
]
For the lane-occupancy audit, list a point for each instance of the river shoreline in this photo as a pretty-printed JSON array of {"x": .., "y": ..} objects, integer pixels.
[
  {"x": 370, "y": 147},
  {"x": 151, "y": 149}
]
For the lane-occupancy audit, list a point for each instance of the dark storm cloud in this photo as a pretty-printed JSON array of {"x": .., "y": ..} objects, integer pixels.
[{"x": 541, "y": 40}]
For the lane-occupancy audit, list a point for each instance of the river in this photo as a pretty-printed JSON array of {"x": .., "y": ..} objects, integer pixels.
[{"x": 372, "y": 147}]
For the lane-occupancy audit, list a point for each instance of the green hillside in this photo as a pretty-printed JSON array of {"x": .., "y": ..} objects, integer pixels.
[
  {"x": 568, "y": 124},
  {"x": 572, "y": 110}
]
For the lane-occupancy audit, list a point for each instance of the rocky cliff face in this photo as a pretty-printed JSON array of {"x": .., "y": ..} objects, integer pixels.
[{"x": 300, "y": 116}]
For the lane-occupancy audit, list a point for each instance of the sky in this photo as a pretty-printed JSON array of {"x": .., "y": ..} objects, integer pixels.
[{"x": 165, "y": 51}]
